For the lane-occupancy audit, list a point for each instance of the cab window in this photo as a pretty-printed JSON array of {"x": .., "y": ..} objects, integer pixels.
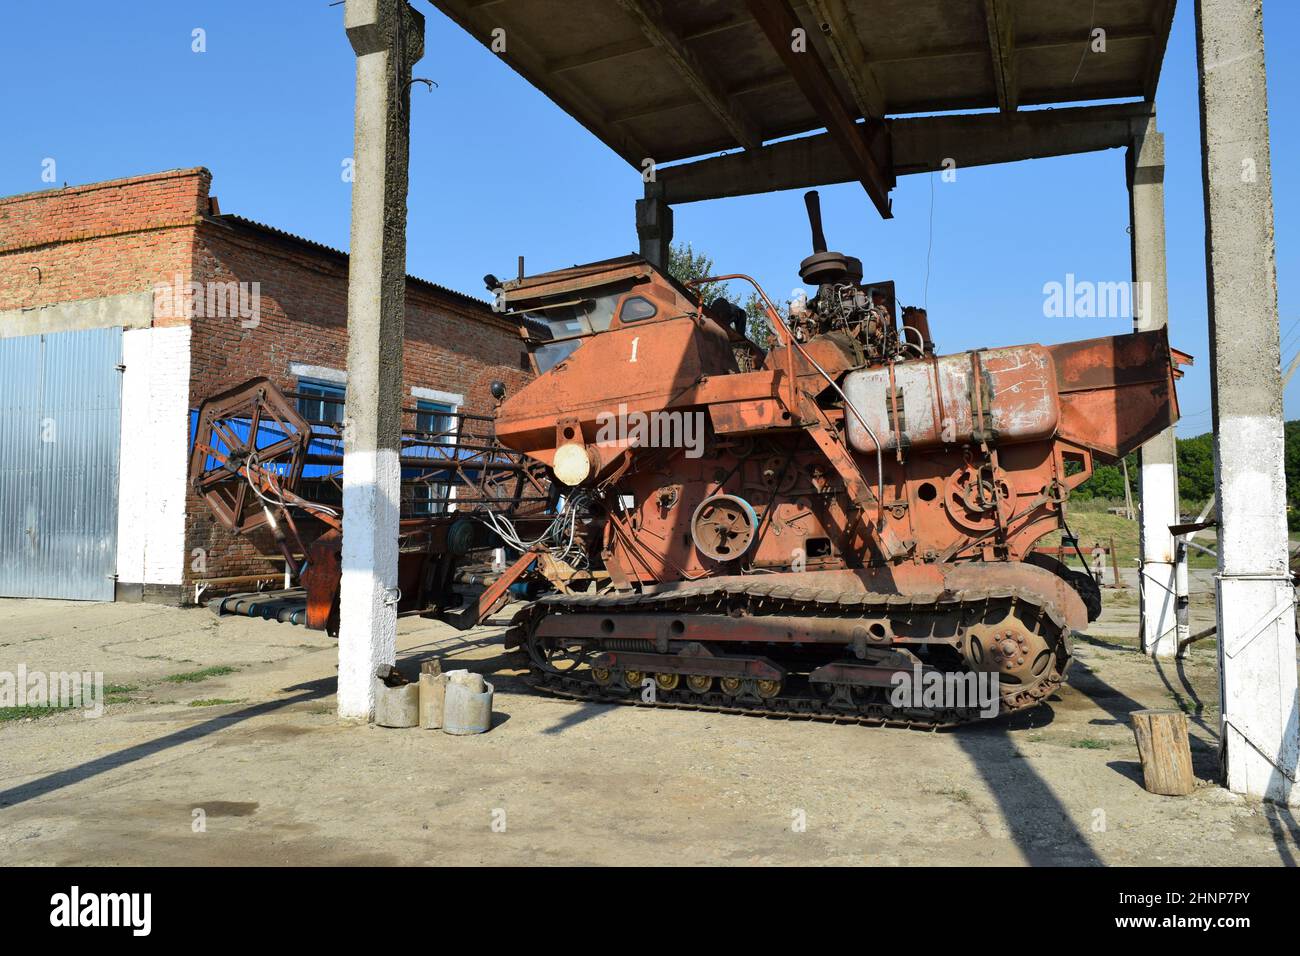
[
  {"x": 553, "y": 353},
  {"x": 580, "y": 317},
  {"x": 636, "y": 308}
]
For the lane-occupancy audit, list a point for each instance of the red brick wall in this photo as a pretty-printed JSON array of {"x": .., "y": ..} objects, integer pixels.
[
  {"x": 132, "y": 235},
  {"x": 103, "y": 239},
  {"x": 452, "y": 345}
]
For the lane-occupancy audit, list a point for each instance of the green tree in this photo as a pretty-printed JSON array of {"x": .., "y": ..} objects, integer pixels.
[
  {"x": 1291, "y": 463},
  {"x": 1196, "y": 467},
  {"x": 1107, "y": 481},
  {"x": 1195, "y": 470},
  {"x": 686, "y": 265},
  {"x": 758, "y": 329}
]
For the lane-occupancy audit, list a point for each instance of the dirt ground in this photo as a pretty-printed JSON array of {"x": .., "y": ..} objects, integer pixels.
[{"x": 246, "y": 764}]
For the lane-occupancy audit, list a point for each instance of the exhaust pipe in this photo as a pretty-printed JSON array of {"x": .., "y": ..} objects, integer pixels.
[{"x": 814, "y": 204}]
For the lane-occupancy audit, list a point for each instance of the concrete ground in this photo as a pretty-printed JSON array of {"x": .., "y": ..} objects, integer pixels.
[{"x": 246, "y": 765}]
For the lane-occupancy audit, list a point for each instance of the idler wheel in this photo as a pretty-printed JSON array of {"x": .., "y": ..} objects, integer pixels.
[
  {"x": 699, "y": 683},
  {"x": 564, "y": 655}
]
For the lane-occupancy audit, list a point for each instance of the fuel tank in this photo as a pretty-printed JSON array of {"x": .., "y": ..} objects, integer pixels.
[{"x": 1004, "y": 394}]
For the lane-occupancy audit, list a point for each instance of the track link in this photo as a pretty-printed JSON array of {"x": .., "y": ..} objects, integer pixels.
[{"x": 763, "y": 597}]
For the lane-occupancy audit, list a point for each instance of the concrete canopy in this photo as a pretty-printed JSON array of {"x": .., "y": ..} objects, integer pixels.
[{"x": 668, "y": 80}]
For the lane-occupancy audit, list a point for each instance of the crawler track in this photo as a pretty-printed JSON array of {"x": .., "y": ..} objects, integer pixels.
[{"x": 563, "y": 666}]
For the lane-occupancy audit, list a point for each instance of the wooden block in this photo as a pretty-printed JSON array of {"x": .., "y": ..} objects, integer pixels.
[
  {"x": 1165, "y": 751},
  {"x": 433, "y": 695}
]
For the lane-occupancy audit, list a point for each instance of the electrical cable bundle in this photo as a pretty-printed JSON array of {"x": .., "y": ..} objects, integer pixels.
[{"x": 558, "y": 538}]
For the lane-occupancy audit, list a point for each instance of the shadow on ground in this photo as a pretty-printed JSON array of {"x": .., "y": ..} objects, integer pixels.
[{"x": 50, "y": 783}]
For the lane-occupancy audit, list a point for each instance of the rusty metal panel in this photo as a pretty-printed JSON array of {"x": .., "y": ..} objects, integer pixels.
[
  {"x": 935, "y": 401},
  {"x": 575, "y": 279},
  {"x": 1113, "y": 361},
  {"x": 1117, "y": 391},
  {"x": 630, "y": 369},
  {"x": 737, "y": 418},
  {"x": 60, "y": 425}
]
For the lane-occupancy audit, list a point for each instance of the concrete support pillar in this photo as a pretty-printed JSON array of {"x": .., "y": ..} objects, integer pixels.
[
  {"x": 1158, "y": 475},
  {"x": 387, "y": 37},
  {"x": 654, "y": 225},
  {"x": 1260, "y": 732}
]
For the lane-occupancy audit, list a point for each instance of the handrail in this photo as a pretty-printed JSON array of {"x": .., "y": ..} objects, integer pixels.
[{"x": 774, "y": 319}]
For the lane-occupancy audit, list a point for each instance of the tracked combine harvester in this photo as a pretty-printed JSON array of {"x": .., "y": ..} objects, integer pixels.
[
  {"x": 777, "y": 531},
  {"x": 857, "y": 504}
]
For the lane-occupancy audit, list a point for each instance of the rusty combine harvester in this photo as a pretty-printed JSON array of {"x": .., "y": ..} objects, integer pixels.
[{"x": 854, "y": 505}]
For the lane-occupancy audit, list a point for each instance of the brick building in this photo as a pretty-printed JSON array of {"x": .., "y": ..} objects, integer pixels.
[{"x": 123, "y": 304}]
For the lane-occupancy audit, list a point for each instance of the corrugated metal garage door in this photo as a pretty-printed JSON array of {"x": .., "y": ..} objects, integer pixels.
[{"x": 60, "y": 421}]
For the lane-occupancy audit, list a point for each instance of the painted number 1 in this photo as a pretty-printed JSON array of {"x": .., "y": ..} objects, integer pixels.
[{"x": 634, "y": 342}]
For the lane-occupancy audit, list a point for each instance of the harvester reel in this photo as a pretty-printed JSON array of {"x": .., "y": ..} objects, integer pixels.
[
  {"x": 250, "y": 427},
  {"x": 723, "y": 527}
]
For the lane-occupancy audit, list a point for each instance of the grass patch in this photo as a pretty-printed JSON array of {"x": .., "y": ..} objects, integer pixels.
[
  {"x": 26, "y": 711},
  {"x": 1094, "y": 526},
  {"x": 1090, "y": 743},
  {"x": 113, "y": 694},
  {"x": 118, "y": 693},
  {"x": 1185, "y": 705},
  {"x": 1090, "y": 521},
  {"x": 193, "y": 677},
  {"x": 213, "y": 702}
]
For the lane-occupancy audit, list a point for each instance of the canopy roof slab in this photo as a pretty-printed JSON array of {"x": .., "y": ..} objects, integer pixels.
[{"x": 670, "y": 80}]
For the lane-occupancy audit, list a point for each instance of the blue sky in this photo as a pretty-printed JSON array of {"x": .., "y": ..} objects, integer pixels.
[{"x": 114, "y": 89}]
